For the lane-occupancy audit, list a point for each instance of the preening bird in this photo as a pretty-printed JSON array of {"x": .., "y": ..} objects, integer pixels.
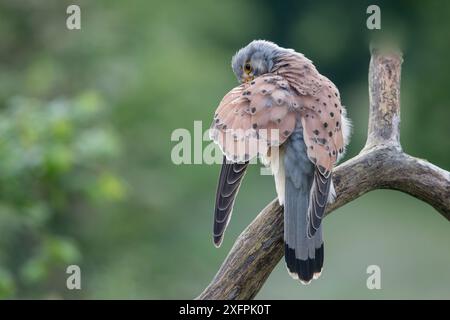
[{"x": 291, "y": 116}]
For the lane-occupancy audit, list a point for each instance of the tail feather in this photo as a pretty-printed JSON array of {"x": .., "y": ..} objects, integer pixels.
[
  {"x": 304, "y": 269},
  {"x": 318, "y": 262},
  {"x": 303, "y": 254}
]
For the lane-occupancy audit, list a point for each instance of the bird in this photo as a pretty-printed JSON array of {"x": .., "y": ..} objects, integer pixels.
[{"x": 291, "y": 117}]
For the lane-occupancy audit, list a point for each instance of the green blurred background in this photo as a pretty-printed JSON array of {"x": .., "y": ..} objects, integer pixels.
[{"x": 85, "y": 123}]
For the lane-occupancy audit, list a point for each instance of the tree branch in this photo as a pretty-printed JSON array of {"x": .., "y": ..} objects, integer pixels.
[
  {"x": 384, "y": 97},
  {"x": 380, "y": 165}
]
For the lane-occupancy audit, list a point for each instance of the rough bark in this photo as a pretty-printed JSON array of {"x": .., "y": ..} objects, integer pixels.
[{"x": 380, "y": 165}]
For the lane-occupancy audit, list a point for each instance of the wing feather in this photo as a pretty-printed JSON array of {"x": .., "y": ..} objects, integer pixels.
[
  {"x": 247, "y": 114},
  {"x": 318, "y": 201},
  {"x": 230, "y": 179},
  {"x": 320, "y": 108}
]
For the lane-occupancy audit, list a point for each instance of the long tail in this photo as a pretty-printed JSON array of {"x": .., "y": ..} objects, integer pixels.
[{"x": 304, "y": 255}]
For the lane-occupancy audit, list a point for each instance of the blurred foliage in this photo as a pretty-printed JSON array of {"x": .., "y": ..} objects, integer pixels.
[
  {"x": 54, "y": 162},
  {"x": 86, "y": 118}
]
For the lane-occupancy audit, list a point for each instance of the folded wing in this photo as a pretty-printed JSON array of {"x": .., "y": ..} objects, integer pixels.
[
  {"x": 254, "y": 117},
  {"x": 322, "y": 117},
  {"x": 250, "y": 119},
  {"x": 230, "y": 179}
]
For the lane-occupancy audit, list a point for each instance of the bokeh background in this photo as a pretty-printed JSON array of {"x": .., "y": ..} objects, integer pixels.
[{"x": 86, "y": 118}]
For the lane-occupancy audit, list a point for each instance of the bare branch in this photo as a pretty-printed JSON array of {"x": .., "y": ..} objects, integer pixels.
[
  {"x": 380, "y": 165},
  {"x": 384, "y": 95}
]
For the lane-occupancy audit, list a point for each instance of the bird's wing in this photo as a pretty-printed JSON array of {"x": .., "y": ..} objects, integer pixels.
[
  {"x": 230, "y": 179},
  {"x": 253, "y": 117},
  {"x": 320, "y": 108},
  {"x": 323, "y": 136},
  {"x": 321, "y": 116},
  {"x": 242, "y": 127},
  {"x": 318, "y": 199}
]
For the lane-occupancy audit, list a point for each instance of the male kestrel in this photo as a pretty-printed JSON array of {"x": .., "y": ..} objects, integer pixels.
[{"x": 283, "y": 106}]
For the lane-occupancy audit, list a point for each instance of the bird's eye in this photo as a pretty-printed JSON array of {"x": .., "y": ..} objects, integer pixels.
[{"x": 247, "y": 68}]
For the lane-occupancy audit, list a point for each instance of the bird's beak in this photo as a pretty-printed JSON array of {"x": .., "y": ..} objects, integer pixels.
[{"x": 248, "y": 78}]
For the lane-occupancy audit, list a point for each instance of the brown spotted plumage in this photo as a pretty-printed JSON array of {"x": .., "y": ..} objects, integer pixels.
[
  {"x": 247, "y": 115},
  {"x": 253, "y": 117}
]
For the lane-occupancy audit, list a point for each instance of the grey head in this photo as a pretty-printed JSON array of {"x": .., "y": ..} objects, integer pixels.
[{"x": 255, "y": 59}]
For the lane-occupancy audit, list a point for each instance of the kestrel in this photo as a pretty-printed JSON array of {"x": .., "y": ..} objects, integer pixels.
[{"x": 288, "y": 114}]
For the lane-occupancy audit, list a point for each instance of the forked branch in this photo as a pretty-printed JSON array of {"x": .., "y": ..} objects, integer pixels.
[{"x": 380, "y": 165}]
